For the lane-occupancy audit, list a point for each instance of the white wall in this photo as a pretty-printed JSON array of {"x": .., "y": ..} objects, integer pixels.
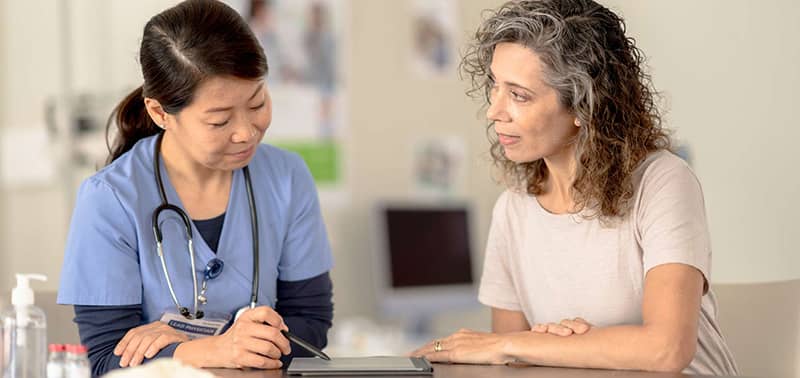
[
  {"x": 730, "y": 71},
  {"x": 4, "y": 32},
  {"x": 33, "y": 219},
  {"x": 105, "y": 40}
]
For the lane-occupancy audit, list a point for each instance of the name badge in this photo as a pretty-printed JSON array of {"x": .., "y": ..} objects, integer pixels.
[{"x": 210, "y": 325}]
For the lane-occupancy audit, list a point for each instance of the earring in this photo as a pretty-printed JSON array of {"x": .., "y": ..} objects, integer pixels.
[{"x": 577, "y": 122}]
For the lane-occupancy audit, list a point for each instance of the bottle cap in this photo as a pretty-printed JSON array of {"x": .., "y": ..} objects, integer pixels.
[
  {"x": 22, "y": 295},
  {"x": 53, "y": 348}
]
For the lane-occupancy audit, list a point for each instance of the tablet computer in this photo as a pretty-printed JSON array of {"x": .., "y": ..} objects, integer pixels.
[{"x": 311, "y": 366}]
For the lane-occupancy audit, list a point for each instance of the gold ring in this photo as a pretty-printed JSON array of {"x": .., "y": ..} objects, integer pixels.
[{"x": 437, "y": 346}]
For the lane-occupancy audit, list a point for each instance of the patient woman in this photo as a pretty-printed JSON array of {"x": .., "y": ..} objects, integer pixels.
[{"x": 598, "y": 254}]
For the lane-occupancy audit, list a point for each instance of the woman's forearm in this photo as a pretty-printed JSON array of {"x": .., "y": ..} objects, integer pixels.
[{"x": 620, "y": 347}]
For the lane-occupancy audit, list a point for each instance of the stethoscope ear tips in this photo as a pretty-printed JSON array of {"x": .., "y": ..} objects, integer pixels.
[
  {"x": 199, "y": 315},
  {"x": 185, "y": 312}
]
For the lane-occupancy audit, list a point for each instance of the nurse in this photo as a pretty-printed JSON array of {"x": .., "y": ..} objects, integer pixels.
[{"x": 193, "y": 220}]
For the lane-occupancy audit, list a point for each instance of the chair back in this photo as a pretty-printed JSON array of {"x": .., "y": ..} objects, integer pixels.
[{"x": 761, "y": 322}]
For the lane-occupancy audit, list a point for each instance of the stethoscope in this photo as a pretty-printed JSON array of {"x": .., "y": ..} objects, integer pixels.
[{"x": 215, "y": 265}]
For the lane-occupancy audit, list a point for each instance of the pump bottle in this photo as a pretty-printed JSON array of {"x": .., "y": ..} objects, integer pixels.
[{"x": 24, "y": 333}]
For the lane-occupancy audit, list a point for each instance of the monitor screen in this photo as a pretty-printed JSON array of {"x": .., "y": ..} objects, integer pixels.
[{"x": 428, "y": 246}]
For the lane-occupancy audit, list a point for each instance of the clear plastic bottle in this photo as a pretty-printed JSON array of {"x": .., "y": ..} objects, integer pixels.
[
  {"x": 56, "y": 362},
  {"x": 4, "y": 355},
  {"x": 24, "y": 333},
  {"x": 77, "y": 362},
  {"x": 69, "y": 360}
]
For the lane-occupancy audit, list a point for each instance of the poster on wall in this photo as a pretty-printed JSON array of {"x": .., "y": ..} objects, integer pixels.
[
  {"x": 303, "y": 41},
  {"x": 433, "y": 33},
  {"x": 439, "y": 166}
]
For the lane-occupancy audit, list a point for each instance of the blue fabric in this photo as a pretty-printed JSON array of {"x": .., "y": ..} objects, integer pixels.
[
  {"x": 306, "y": 306},
  {"x": 211, "y": 230},
  {"x": 111, "y": 259}
]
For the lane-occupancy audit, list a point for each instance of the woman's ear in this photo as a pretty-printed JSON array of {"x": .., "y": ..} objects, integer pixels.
[{"x": 156, "y": 112}]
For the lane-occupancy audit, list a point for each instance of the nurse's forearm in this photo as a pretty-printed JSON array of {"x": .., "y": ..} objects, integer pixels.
[
  {"x": 202, "y": 353},
  {"x": 307, "y": 309},
  {"x": 102, "y": 327}
]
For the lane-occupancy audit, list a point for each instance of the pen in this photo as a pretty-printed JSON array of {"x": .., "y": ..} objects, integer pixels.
[
  {"x": 297, "y": 340},
  {"x": 305, "y": 345}
]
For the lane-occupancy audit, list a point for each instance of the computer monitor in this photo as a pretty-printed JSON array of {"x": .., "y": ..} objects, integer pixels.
[{"x": 425, "y": 264}]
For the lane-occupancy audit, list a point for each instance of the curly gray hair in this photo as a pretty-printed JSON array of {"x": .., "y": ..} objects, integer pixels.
[{"x": 598, "y": 73}]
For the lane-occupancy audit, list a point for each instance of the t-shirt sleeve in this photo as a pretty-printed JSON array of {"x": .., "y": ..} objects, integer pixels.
[
  {"x": 497, "y": 286},
  {"x": 101, "y": 264},
  {"x": 306, "y": 251},
  {"x": 672, "y": 225}
]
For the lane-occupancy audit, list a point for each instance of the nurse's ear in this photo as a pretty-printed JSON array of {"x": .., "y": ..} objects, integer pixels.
[{"x": 156, "y": 112}]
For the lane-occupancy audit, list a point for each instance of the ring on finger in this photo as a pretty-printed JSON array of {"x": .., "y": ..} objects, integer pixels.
[{"x": 437, "y": 346}]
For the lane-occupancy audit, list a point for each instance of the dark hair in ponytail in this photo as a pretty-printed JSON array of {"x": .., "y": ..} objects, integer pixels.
[{"x": 181, "y": 47}]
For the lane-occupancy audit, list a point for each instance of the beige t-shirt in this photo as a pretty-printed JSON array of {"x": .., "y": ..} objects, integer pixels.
[{"x": 552, "y": 267}]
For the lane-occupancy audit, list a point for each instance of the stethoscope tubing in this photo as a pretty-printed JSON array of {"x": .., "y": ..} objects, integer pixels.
[
  {"x": 166, "y": 206},
  {"x": 254, "y": 232}
]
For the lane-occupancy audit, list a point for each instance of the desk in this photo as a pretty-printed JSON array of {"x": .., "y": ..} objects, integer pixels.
[{"x": 479, "y": 371}]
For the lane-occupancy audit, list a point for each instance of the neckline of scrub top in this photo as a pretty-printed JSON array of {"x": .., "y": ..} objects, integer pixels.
[
  {"x": 204, "y": 252},
  {"x": 238, "y": 260}
]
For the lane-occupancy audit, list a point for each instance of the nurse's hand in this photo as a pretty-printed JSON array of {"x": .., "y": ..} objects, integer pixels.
[
  {"x": 255, "y": 340},
  {"x": 145, "y": 341}
]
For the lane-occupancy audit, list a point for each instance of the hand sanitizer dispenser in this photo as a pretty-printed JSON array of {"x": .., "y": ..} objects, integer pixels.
[{"x": 24, "y": 333}]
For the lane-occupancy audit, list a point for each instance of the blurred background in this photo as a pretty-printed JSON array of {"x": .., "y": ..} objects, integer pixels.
[{"x": 367, "y": 91}]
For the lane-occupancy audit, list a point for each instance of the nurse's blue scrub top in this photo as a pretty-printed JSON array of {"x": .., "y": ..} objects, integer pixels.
[{"x": 111, "y": 258}]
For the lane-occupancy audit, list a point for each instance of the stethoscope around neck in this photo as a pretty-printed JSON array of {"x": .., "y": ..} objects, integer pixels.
[{"x": 214, "y": 266}]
